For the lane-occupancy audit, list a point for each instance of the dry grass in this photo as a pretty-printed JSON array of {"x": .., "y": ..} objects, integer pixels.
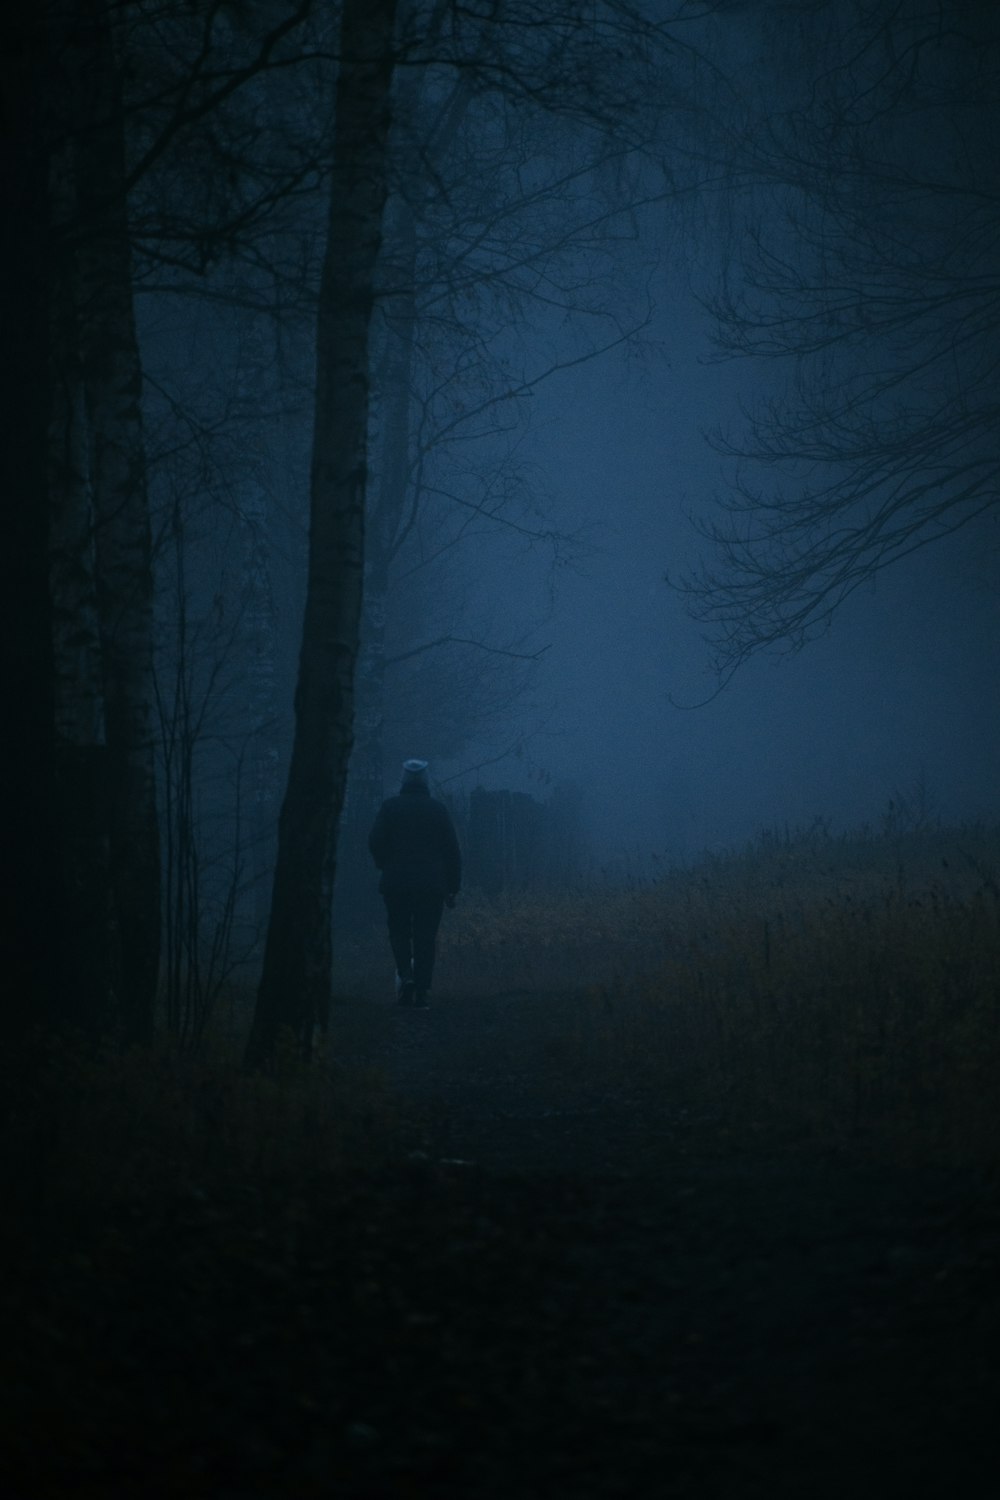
[
  {"x": 848, "y": 989},
  {"x": 217, "y": 1281}
]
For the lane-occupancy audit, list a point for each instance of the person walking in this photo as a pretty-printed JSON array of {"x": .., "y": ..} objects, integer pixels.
[{"x": 415, "y": 847}]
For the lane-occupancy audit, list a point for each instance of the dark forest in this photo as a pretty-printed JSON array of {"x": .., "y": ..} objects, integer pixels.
[{"x": 500, "y": 811}]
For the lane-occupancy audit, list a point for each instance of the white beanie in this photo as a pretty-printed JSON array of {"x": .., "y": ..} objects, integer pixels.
[{"x": 415, "y": 773}]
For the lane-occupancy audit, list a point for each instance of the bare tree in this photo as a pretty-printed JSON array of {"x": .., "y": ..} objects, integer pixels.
[
  {"x": 557, "y": 68},
  {"x": 87, "y": 557},
  {"x": 112, "y": 378},
  {"x": 91, "y": 113},
  {"x": 204, "y": 874},
  {"x": 508, "y": 255},
  {"x": 29, "y": 818},
  {"x": 295, "y": 981},
  {"x": 868, "y": 272},
  {"x": 150, "y": 156}
]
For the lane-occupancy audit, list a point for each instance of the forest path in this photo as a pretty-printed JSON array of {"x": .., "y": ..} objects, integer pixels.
[
  {"x": 523, "y": 1277},
  {"x": 770, "y": 1317}
]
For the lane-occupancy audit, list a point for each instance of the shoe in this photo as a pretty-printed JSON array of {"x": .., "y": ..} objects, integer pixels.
[
  {"x": 421, "y": 999},
  {"x": 404, "y": 991}
]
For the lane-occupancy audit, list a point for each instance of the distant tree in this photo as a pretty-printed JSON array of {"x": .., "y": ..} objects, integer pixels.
[
  {"x": 509, "y": 254},
  {"x": 451, "y": 497},
  {"x": 866, "y": 269},
  {"x": 202, "y": 741},
  {"x": 514, "y": 841}
]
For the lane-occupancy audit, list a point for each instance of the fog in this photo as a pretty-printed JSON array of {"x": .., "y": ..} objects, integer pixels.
[
  {"x": 888, "y": 717},
  {"x": 896, "y": 703},
  {"x": 581, "y": 299}
]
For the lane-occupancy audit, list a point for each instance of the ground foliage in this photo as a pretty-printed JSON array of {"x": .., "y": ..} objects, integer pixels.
[{"x": 686, "y": 1188}]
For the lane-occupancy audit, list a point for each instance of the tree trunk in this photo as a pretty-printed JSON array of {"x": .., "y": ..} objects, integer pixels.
[
  {"x": 113, "y": 386},
  {"x": 82, "y": 910},
  {"x": 30, "y": 936},
  {"x": 295, "y": 983},
  {"x": 78, "y": 496}
]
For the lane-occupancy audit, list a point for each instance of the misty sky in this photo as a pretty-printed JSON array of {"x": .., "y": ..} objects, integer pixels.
[{"x": 902, "y": 690}]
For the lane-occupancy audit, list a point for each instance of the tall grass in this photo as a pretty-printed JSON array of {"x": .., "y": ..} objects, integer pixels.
[
  {"x": 849, "y": 988},
  {"x": 844, "y": 991}
]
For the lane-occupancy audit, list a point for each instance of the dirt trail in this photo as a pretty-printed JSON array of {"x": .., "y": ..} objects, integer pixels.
[
  {"x": 543, "y": 1284},
  {"x": 738, "y": 1318}
]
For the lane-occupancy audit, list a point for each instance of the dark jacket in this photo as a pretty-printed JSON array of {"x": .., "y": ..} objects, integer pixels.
[{"x": 413, "y": 843}]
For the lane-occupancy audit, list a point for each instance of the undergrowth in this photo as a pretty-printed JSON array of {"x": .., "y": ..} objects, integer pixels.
[
  {"x": 848, "y": 990},
  {"x": 289, "y": 1285},
  {"x": 98, "y": 1127}
]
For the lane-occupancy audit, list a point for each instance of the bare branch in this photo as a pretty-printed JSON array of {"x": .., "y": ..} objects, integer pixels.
[{"x": 459, "y": 640}]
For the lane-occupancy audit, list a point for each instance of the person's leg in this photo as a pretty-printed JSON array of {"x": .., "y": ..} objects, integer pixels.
[
  {"x": 426, "y": 921},
  {"x": 399, "y": 912}
]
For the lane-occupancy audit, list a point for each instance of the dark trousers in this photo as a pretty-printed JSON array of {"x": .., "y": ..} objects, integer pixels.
[{"x": 414, "y": 918}]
